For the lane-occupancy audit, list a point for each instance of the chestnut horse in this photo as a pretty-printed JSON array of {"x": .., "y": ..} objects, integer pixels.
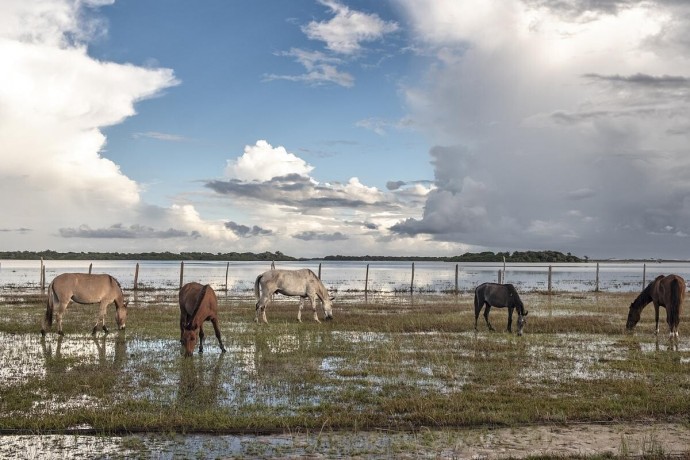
[
  {"x": 197, "y": 304},
  {"x": 664, "y": 291},
  {"x": 84, "y": 289}
]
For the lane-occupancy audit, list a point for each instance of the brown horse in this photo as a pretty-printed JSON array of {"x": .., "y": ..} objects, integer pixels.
[
  {"x": 84, "y": 289},
  {"x": 197, "y": 304},
  {"x": 665, "y": 291}
]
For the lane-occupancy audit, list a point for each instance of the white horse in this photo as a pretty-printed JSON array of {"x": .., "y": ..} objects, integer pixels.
[{"x": 303, "y": 283}]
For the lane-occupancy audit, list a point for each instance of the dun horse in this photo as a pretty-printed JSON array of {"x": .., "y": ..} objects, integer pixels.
[
  {"x": 664, "y": 291},
  {"x": 197, "y": 304},
  {"x": 84, "y": 288},
  {"x": 303, "y": 283},
  {"x": 499, "y": 295}
]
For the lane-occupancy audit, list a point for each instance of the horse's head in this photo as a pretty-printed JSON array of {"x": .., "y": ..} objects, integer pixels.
[
  {"x": 522, "y": 320},
  {"x": 121, "y": 314},
  {"x": 328, "y": 308},
  {"x": 633, "y": 316},
  {"x": 190, "y": 335}
]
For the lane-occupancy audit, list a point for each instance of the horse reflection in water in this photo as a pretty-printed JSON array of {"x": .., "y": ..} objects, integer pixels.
[
  {"x": 200, "y": 382},
  {"x": 664, "y": 291},
  {"x": 79, "y": 353},
  {"x": 502, "y": 296}
]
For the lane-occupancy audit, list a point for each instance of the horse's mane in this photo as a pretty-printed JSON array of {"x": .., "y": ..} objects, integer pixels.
[
  {"x": 112, "y": 278},
  {"x": 646, "y": 295},
  {"x": 199, "y": 299}
]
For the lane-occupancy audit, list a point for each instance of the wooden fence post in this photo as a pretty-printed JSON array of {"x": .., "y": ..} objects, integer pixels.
[
  {"x": 366, "y": 283},
  {"x": 644, "y": 275},
  {"x": 550, "y": 277},
  {"x": 596, "y": 285},
  {"x": 136, "y": 277},
  {"x": 412, "y": 280},
  {"x": 319, "y": 271},
  {"x": 42, "y": 276},
  {"x": 227, "y": 269},
  {"x": 181, "y": 273},
  {"x": 90, "y": 267},
  {"x": 273, "y": 265},
  {"x": 456, "y": 279}
]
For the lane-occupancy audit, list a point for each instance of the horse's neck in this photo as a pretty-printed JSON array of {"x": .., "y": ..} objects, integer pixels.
[
  {"x": 643, "y": 299},
  {"x": 321, "y": 290}
]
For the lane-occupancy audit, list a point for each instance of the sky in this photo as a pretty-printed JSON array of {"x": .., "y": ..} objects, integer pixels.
[{"x": 323, "y": 127}]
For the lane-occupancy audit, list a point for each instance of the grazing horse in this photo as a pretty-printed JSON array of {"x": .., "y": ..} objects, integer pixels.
[
  {"x": 197, "y": 304},
  {"x": 664, "y": 291},
  {"x": 499, "y": 295},
  {"x": 84, "y": 289},
  {"x": 303, "y": 283}
]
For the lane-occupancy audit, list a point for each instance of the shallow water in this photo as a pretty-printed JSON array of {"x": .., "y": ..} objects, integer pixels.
[
  {"x": 631, "y": 440},
  {"x": 344, "y": 277}
]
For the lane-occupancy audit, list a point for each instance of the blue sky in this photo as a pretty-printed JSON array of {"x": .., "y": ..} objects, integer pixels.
[{"x": 317, "y": 127}]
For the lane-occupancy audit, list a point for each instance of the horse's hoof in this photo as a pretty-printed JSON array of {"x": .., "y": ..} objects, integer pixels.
[
  {"x": 43, "y": 333},
  {"x": 60, "y": 333},
  {"x": 222, "y": 350}
]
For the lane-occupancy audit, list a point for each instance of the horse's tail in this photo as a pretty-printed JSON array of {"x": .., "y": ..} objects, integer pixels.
[
  {"x": 49, "y": 305},
  {"x": 256, "y": 286},
  {"x": 676, "y": 302}
]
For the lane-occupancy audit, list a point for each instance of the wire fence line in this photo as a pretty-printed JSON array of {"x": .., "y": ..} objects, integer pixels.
[{"x": 355, "y": 277}]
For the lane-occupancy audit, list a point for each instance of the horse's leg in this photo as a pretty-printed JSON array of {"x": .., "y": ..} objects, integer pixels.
[
  {"x": 62, "y": 307},
  {"x": 656, "y": 316},
  {"x": 261, "y": 307},
  {"x": 486, "y": 316},
  {"x": 214, "y": 321},
  {"x": 299, "y": 311},
  {"x": 201, "y": 338},
  {"x": 312, "y": 298},
  {"x": 101, "y": 318},
  {"x": 510, "y": 319}
]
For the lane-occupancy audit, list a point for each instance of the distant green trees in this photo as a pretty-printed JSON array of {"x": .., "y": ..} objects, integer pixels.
[
  {"x": 517, "y": 256},
  {"x": 487, "y": 256},
  {"x": 229, "y": 256}
]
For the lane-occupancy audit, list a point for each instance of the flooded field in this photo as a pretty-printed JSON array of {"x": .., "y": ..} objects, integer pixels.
[{"x": 396, "y": 376}]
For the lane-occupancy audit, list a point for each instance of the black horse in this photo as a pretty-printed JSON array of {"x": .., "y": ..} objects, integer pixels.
[{"x": 499, "y": 295}]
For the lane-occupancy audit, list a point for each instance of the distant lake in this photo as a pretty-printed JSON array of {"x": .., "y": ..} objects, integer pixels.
[{"x": 350, "y": 276}]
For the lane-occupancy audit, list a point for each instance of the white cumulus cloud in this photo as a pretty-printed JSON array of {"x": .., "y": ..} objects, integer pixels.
[{"x": 262, "y": 162}]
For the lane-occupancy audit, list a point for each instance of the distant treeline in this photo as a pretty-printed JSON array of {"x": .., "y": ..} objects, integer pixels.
[
  {"x": 517, "y": 256},
  {"x": 53, "y": 255}
]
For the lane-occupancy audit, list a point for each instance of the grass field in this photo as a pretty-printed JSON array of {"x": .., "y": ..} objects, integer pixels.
[{"x": 402, "y": 364}]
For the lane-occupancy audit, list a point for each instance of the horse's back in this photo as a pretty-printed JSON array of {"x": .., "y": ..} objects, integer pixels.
[
  {"x": 289, "y": 282},
  {"x": 189, "y": 294},
  {"x": 496, "y": 295},
  {"x": 86, "y": 287}
]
